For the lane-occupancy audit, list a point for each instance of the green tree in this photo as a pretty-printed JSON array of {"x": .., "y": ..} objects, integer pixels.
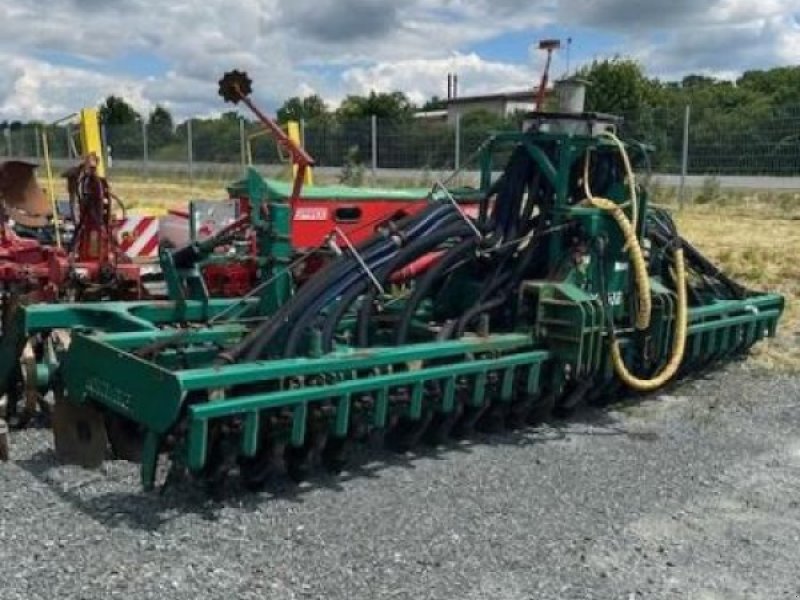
[
  {"x": 434, "y": 103},
  {"x": 215, "y": 140},
  {"x": 160, "y": 128},
  {"x": 123, "y": 130},
  {"x": 482, "y": 120},
  {"x": 617, "y": 86},
  {"x": 780, "y": 84},
  {"x": 116, "y": 111},
  {"x": 697, "y": 81},
  {"x": 310, "y": 108},
  {"x": 394, "y": 106}
]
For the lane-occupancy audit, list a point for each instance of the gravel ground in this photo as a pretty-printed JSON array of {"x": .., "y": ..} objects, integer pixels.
[{"x": 690, "y": 494}]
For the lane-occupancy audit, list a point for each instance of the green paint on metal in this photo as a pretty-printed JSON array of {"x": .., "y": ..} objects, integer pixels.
[
  {"x": 252, "y": 423},
  {"x": 507, "y": 389},
  {"x": 150, "y": 448},
  {"x": 532, "y": 386},
  {"x": 290, "y": 398},
  {"x": 415, "y": 407},
  {"x": 449, "y": 395},
  {"x": 381, "y": 409},
  {"x": 197, "y": 444},
  {"x": 299, "y": 416},
  {"x": 280, "y": 190},
  {"x": 154, "y": 364},
  {"x": 342, "y": 420},
  {"x": 360, "y": 359},
  {"x": 125, "y": 384},
  {"x": 478, "y": 389}
]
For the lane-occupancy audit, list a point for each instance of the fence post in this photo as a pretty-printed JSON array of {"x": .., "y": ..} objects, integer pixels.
[
  {"x": 190, "y": 151},
  {"x": 457, "y": 141},
  {"x": 374, "y": 142},
  {"x": 145, "y": 151},
  {"x": 106, "y": 150},
  {"x": 68, "y": 141},
  {"x": 242, "y": 143},
  {"x": 684, "y": 155}
]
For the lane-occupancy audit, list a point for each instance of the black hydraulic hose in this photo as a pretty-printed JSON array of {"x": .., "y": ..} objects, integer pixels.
[
  {"x": 296, "y": 309},
  {"x": 695, "y": 259},
  {"x": 315, "y": 309},
  {"x": 483, "y": 209},
  {"x": 408, "y": 254},
  {"x": 509, "y": 196},
  {"x": 264, "y": 332},
  {"x": 534, "y": 189},
  {"x": 522, "y": 172},
  {"x": 332, "y": 320},
  {"x": 475, "y": 311},
  {"x": 359, "y": 286},
  {"x": 503, "y": 278},
  {"x": 424, "y": 284},
  {"x": 506, "y": 284},
  {"x": 508, "y": 191},
  {"x": 254, "y": 343},
  {"x": 698, "y": 261}
]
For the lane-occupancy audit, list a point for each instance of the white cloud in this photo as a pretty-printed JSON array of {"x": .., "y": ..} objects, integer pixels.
[
  {"x": 422, "y": 78},
  {"x": 38, "y": 90},
  {"x": 70, "y": 54}
]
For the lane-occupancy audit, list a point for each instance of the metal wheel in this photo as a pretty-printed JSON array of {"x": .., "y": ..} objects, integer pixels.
[
  {"x": 407, "y": 432},
  {"x": 299, "y": 465},
  {"x": 520, "y": 410},
  {"x": 542, "y": 409},
  {"x": 493, "y": 420},
  {"x": 125, "y": 438},
  {"x": 336, "y": 454},
  {"x": 438, "y": 433},
  {"x": 267, "y": 465},
  {"x": 466, "y": 424}
]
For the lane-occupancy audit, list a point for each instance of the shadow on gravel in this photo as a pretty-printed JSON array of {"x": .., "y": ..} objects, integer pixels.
[{"x": 132, "y": 508}]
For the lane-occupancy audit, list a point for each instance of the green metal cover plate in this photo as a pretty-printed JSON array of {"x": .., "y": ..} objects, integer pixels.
[{"x": 283, "y": 190}]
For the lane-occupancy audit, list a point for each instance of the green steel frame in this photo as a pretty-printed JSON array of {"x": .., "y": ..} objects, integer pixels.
[{"x": 166, "y": 380}]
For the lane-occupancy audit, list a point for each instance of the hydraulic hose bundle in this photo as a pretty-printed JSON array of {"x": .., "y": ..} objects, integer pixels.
[
  {"x": 508, "y": 249},
  {"x": 282, "y": 332},
  {"x": 353, "y": 282}
]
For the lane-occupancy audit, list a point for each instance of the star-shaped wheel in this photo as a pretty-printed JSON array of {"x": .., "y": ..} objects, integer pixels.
[{"x": 234, "y": 86}]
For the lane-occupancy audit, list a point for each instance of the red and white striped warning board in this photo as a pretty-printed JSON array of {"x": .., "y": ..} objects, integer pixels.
[{"x": 138, "y": 236}]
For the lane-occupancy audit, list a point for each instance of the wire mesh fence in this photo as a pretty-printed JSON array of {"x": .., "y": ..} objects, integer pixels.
[{"x": 714, "y": 143}]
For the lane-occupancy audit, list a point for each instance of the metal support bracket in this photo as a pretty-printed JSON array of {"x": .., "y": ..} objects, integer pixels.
[
  {"x": 438, "y": 185},
  {"x": 360, "y": 260}
]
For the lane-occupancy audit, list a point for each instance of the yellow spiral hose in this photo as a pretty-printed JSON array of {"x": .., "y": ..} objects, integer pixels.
[{"x": 642, "y": 279}]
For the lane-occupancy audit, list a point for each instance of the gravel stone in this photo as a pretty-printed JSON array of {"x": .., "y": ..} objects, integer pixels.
[{"x": 692, "y": 493}]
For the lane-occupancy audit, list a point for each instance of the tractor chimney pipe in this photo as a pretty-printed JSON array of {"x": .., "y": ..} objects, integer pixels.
[
  {"x": 449, "y": 86},
  {"x": 455, "y": 85}
]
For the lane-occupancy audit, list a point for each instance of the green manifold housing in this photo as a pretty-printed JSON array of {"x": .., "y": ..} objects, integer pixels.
[{"x": 517, "y": 318}]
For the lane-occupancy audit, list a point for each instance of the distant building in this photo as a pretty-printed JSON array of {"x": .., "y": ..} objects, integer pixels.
[
  {"x": 501, "y": 104},
  {"x": 432, "y": 115}
]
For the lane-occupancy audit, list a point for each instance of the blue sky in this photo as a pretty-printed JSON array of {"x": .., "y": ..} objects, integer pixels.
[{"x": 172, "y": 54}]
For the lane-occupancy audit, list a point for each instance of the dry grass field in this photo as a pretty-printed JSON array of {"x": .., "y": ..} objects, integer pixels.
[
  {"x": 753, "y": 237},
  {"x": 759, "y": 247}
]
